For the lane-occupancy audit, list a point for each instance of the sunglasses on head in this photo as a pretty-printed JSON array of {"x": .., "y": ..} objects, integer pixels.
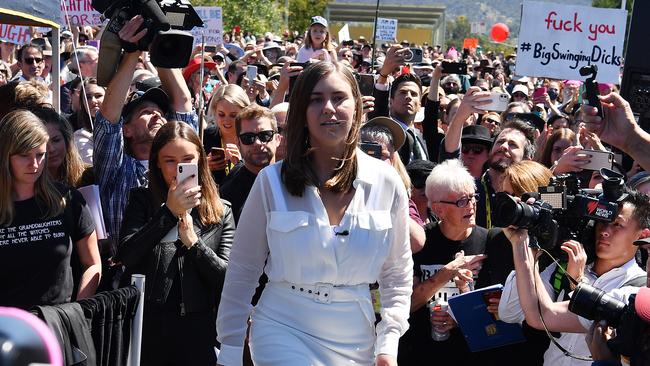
[
  {"x": 248, "y": 138},
  {"x": 32, "y": 60}
]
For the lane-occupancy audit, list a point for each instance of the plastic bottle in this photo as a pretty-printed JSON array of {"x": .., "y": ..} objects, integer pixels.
[{"x": 438, "y": 306}]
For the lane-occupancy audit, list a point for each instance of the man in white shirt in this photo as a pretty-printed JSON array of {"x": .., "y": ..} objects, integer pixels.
[{"x": 612, "y": 270}]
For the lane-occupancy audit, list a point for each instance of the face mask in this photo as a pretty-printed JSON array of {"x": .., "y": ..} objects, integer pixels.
[{"x": 552, "y": 94}]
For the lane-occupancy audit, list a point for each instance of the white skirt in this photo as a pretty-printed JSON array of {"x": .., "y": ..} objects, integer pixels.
[{"x": 289, "y": 327}]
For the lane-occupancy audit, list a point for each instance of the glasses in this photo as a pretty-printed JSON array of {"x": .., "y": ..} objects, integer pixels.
[
  {"x": 473, "y": 149},
  {"x": 493, "y": 121},
  {"x": 248, "y": 138},
  {"x": 463, "y": 202},
  {"x": 32, "y": 60}
]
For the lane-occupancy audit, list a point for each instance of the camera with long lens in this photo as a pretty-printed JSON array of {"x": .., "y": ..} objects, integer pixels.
[
  {"x": 563, "y": 210},
  {"x": 166, "y": 21},
  {"x": 594, "y": 304}
]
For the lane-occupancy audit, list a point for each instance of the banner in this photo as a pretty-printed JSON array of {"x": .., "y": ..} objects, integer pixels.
[
  {"x": 344, "y": 34},
  {"x": 16, "y": 34},
  {"x": 386, "y": 29},
  {"x": 79, "y": 12},
  {"x": 557, "y": 40},
  {"x": 470, "y": 43},
  {"x": 213, "y": 25}
]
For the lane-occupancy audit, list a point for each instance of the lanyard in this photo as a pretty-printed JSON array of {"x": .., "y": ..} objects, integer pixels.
[{"x": 488, "y": 209}]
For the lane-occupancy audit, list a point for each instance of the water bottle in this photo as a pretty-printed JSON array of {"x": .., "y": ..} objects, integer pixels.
[{"x": 438, "y": 306}]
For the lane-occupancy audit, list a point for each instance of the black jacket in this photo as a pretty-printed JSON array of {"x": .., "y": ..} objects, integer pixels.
[{"x": 203, "y": 266}]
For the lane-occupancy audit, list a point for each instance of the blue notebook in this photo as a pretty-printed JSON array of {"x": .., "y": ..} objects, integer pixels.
[{"x": 480, "y": 328}]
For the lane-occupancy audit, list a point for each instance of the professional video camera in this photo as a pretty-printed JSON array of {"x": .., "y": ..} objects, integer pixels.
[
  {"x": 562, "y": 210},
  {"x": 594, "y": 304},
  {"x": 165, "y": 20}
]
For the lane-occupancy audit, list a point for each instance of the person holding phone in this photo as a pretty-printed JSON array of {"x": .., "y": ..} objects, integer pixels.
[
  {"x": 179, "y": 235},
  {"x": 323, "y": 224}
]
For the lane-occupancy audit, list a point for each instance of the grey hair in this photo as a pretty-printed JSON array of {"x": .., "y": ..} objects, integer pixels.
[
  {"x": 450, "y": 176},
  {"x": 377, "y": 133}
]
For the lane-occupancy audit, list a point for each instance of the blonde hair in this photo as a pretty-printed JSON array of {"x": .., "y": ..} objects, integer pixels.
[
  {"x": 20, "y": 132},
  {"x": 233, "y": 94},
  {"x": 527, "y": 176}
]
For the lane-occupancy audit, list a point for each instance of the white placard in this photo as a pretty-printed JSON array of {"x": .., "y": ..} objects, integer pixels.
[
  {"x": 80, "y": 12},
  {"x": 213, "y": 31},
  {"x": 16, "y": 34},
  {"x": 344, "y": 34},
  {"x": 91, "y": 195},
  {"x": 557, "y": 40},
  {"x": 386, "y": 29}
]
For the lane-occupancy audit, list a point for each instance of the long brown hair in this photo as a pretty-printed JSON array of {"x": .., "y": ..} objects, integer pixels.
[
  {"x": 559, "y": 134},
  {"x": 21, "y": 131},
  {"x": 72, "y": 168},
  {"x": 296, "y": 168},
  {"x": 211, "y": 208}
]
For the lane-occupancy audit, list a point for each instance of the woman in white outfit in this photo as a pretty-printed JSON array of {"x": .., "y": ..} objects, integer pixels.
[{"x": 322, "y": 224}]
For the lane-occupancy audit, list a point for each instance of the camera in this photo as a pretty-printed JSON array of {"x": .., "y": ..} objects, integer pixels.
[
  {"x": 166, "y": 22},
  {"x": 591, "y": 87},
  {"x": 413, "y": 55},
  {"x": 563, "y": 211},
  {"x": 594, "y": 304}
]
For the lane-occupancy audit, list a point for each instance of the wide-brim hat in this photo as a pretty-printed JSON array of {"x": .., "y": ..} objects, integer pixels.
[
  {"x": 194, "y": 65},
  {"x": 399, "y": 136},
  {"x": 476, "y": 134},
  {"x": 154, "y": 95}
]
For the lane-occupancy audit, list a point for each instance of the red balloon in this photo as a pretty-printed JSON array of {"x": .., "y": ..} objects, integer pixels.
[{"x": 499, "y": 32}]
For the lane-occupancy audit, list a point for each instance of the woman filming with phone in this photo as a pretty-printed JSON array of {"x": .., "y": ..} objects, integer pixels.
[{"x": 178, "y": 232}]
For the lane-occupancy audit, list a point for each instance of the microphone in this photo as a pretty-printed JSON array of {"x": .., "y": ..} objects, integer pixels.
[
  {"x": 341, "y": 233},
  {"x": 642, "y": 304}
]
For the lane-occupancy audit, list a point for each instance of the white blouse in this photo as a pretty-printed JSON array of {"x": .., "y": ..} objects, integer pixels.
[{"x": 303, "y": 248}]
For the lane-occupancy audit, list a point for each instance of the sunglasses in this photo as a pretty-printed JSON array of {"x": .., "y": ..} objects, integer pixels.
[
  {"x": 32, "y": 60},
  {"x": 473, "y": 149},
  {"x": 248, "y": 138},
  {"x": 463, "y": 202}
]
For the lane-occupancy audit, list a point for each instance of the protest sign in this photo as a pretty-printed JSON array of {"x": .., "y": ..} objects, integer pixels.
[
  {"x": 213, "y": 25},
  {"x": 557, "y": 40},
  {"x": 344, "y": 34},
  {"x": 79, "y": 12},
  {"x": 386, "y": 29},
  {"x": 478, "y": 28},
  {"x": 470, "y": 43},
  {"x": 16, "y": 34}
]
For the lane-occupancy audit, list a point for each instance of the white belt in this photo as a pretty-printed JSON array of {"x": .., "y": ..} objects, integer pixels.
[{"x": 325, "y": 293}]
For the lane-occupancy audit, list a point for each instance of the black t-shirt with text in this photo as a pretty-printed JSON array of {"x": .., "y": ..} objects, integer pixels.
[
  {"x": 35, "y": 251},
  {"x": 416, "y": 346}
]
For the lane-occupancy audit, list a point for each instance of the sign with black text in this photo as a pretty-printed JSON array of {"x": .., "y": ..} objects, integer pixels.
[
  {"x": 213, "y": 25},
  {"x": 557, "y": 40},
  {"x": 386, "y": 29}
]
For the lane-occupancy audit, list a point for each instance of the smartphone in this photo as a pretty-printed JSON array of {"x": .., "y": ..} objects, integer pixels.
[
  {"x": 539, "y": 92},
  {"x": 188, "y": 170},
  {"x": 454, "y": 68},
  {"x": 413, "y": 55},
  {"x": 366, "y": 84},
  {"x": 498, "y": 102},
  {"x": 371, "y": 148},
  {"x": 218, "y": 152},
  {"x": 495, "y": 294},
  {"x": 251, "y": 73},
  {"x": 598, "y": 159},
  {"x": 211, "y": 49}
]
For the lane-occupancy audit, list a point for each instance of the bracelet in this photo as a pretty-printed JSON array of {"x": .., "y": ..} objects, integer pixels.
[{"x": 384, "y": 76}]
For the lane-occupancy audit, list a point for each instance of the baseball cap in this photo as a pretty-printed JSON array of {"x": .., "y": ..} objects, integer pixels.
[
  {"x": 418, "y": 171},
  {"x": 520, "y": 88},
  {"x": 154, "y": 95},
  {"x": 399, "y": 136},
  {"x": 318, "y": 20}
]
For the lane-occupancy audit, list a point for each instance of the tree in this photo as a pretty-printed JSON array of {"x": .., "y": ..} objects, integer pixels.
[
  {"x": 301, "y": 11},
  {"x": 255, "y": 16}
]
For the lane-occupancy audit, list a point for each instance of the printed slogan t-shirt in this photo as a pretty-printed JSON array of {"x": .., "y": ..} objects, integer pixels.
[{"x": 35, "y": 252}]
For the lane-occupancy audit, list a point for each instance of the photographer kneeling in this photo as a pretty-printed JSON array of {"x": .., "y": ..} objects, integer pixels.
[{"x": 613, "y": 271}]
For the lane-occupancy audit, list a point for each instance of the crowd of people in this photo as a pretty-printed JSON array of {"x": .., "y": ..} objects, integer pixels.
[{"x": 324, "y": 215}]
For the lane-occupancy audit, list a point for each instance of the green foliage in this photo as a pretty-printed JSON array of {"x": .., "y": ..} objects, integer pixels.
[
  {"x": 301, "y": 11},
  {"x": 460, "y": 28},
  {"x": 256, "y": 16}
]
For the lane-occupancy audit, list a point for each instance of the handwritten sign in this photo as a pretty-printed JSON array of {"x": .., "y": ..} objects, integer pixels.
[
  {"x": 213, "y": 20},
  {"x": 344, "y": 34},
  {"x": 16, "y": 34},
  {"x": 557, "y": 40},
  {"x": 79, "y": 12},
  {"x": 386, "y": 29}
]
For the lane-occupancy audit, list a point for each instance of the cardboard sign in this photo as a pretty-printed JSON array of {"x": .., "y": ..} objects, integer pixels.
[
  {"x": 16, "y": 34},
  {"x": 344, "y": 34},
  {"x": 478, "y": 28},
  {"x": 213, "y": 25},
  {"x": 79, "y": 12},
  {"x": 557, "y": 40},
  {"x": 470, "y": 43},
  {"x": 386, "y": 29}
]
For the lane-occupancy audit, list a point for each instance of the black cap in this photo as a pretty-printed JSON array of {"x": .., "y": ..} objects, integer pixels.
[
  {"x": 476, "y": 134},
  {"x": 532, "y": 119},
  {"x": 146, "y": 84},
  {"x": 155, "y": 95},
  {"x": 418, "y": 171}
]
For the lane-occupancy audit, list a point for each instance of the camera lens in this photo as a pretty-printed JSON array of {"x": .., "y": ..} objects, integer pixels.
[
  {"x": 408, "y": 55},
  {"x": 594, "y": 304},
  {"x": 180, "y": 169}
]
